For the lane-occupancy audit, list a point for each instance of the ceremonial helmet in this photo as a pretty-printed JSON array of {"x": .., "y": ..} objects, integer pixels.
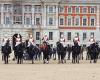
[
  {"x": 18, "y": 36},
  {"x": 30, "y": 35},
  {"x": 91, "y": 36},
  {"x": 62, "y": 35},
  {"x": 76, "y": 35},
  {"x": 45, "y": 35}
]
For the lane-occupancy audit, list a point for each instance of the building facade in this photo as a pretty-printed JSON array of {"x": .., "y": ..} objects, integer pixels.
[{"x": 50, "y": 17}]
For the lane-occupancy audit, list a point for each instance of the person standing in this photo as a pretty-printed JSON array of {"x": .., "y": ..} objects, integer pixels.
[{"x": 69, "y": 49}]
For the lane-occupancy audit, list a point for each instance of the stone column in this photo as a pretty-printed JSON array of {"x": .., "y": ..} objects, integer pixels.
[
  {"x": 57, "y": 17},
  {"x": 44, "y": 19},
  {"x": 2, "y": 14},
  {"x": 33, "y": 7},
  {"x": 98, "y": 17},
  {"x": 22, "y": 14}
]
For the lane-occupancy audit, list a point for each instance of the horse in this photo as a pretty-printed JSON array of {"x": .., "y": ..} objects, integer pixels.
[
  {"x": 94, "y": 52},
  {"x": 19, "y": 52},
  {"x": 6, "y": 50},
  {"x": 46, "y": 49},
  {"x": 75, "y": 53},
  {"x": 61, "y": 51}
]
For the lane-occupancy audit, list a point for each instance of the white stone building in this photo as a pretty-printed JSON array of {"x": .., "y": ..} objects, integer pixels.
[{"x": 51, "y": 18}]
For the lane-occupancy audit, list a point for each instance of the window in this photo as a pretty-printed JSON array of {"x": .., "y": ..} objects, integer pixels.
[
  {"x": 50, "y": 21},
  {"x": 84, "y": 36},
  {"x": 28, "y": 8},
  {"x": 92, "y": 10},
  {"x": 77, "y": 21},
  {"x": 50, "y": 35},
  {"x": 61, "y": 21},
  {"x": 50, "y": 9},
  {"x": 92, "y": 21},
  {"x": 84, "y": 10},
  {"x": 38, "y": 9},
  {"x": 61, "y": 9},
  {"x": 69, "y": 21},
  {"x": 7, "y": 7},
  {"x": 37, "y": 21},
  {"x": 69, "y": 9},
  {"x": 7, "y": 20},
  {"x": 17, "y": 9},
  {"x": 84, "y": 21},
  {"x": 27, "y": 20},
  {"x": 69, "y": 36},
  {"x": 77, "y": 9},
  {"x": 37, "y": 35},
  {"x": 17, "y": 19}
]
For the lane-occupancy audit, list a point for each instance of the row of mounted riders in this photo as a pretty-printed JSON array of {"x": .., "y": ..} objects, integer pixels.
[{"x": 23, "y": 51}]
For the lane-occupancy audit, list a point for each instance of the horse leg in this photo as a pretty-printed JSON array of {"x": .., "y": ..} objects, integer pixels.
[
  {"x": 78, "y": 59},
  {"x": 18, "y": 59},
  {"x": 32, "y": 59},
  {"x": 62, "y": 58},
  {"x": 47, "y": 58},
  {"x": 7, "y": 58},
  {"x": 58, "y": 58},
  {"x": 44, "y": 58}
]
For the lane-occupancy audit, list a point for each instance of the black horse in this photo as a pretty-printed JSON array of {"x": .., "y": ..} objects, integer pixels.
[
  {"x": 61, "y": 50},
  {"x": 19, "y": 52},
  {"x": 6, "y": 50},
  {"x": 32, "y": 51},
  {"x": 93, "y": 51},
  {"x": 75, "y": 53}
]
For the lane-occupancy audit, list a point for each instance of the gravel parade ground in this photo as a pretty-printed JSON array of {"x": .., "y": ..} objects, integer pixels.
[{"x": 51, "y": 71}]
